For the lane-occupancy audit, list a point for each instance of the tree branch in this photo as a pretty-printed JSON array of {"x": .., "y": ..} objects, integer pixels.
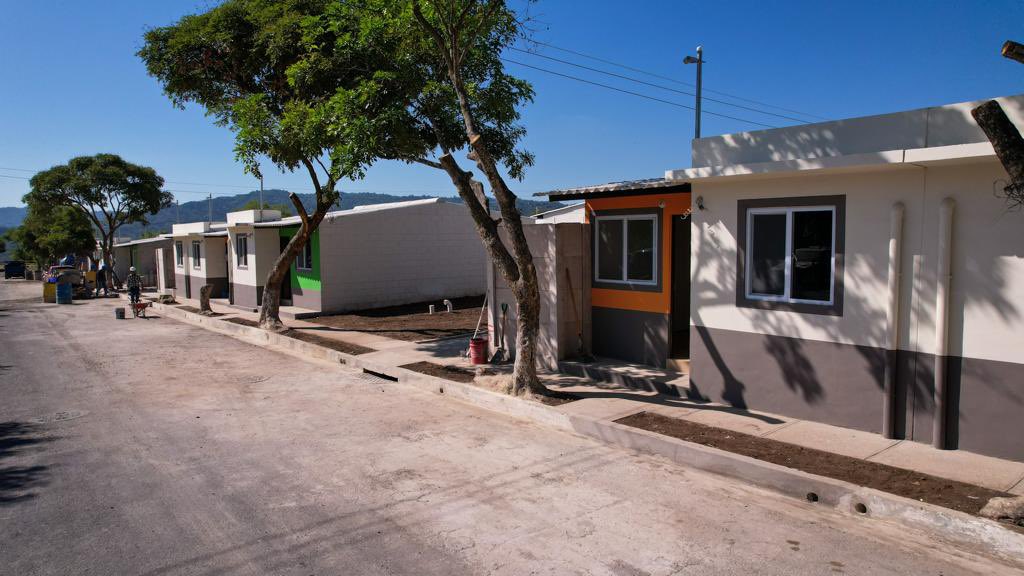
[
  {"x": 299, "y": 208},
  {"x": 1013, "y": 51},
  {"x": 1005, "y": 138},
  {"x": 428, "y": 162}
]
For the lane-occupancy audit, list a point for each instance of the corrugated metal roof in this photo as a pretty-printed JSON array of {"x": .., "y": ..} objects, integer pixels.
[{"x": 623, "y": 188}]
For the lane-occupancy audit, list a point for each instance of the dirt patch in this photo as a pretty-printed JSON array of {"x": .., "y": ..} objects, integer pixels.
[
  {"x": 195, "y": 310},
  {"x": 411, "y": 322},
  {"x": 907, "y": 483},
  {"x": 442, "y": 371},
  {"x": 497, "y": 382},
  {"x": 243, "y": 322},
  {"x": 338, "y": 345}
]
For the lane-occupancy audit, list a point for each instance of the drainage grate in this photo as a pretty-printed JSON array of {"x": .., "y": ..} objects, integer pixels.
[{"x": 378, "y": 375}]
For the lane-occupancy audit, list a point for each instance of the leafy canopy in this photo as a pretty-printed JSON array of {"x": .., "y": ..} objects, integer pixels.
[
  {"x": 403, "y": 105},
  {"x": 51, "y": 232},
  {"x": 108, "y": 190}
]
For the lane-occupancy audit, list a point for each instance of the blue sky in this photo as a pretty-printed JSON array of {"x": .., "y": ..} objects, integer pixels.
[{"x": 72, "y": 85}]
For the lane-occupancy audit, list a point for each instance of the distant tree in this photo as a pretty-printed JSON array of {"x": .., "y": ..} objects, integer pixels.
[
  {"x": 49, "y": 233},
  {"x": 106, "y": 189},
  {"x": 1005, "y": 137},
  {"x": 150, "y": 234},
  {"x": 248, "y": 64},
  {"x": 254, "y": 204}
]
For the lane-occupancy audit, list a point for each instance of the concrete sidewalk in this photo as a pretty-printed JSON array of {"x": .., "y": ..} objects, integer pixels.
[{"x": 636, "y": 389}]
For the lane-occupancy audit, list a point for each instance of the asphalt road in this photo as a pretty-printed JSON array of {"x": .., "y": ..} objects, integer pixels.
[{"x": 153, "y": 447}]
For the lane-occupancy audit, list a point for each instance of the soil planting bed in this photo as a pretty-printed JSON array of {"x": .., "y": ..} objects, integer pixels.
[
  {"x": 243, "y": 322},
  {"x": 907, "y": 483},
  {"x": 411, "y": 322},
  {"x": 195, "y": 310},
  {"x": 338, "y": 345},
  {"x": 441, "y": 371}
]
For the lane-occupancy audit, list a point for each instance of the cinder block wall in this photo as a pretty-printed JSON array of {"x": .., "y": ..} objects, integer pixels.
[
  {"x": 404, "y": 255},
  {"x": 555, "y": 249}
]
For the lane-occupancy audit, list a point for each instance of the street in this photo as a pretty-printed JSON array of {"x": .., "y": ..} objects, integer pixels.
[{"x": 153, "y": 447}]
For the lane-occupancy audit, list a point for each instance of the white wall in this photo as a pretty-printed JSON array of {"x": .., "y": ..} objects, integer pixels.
[
  {"x": 414, "y": 253},
  {"x": 987, "y": 319}
]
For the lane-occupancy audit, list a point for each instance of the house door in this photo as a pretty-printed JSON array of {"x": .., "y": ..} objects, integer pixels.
[
  {"x": 681, "y": 287},
  {"x": 286, "y": 284}
]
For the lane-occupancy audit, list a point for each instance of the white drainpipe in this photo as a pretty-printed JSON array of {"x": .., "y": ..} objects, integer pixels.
[
  {"x": 889, "y": 402},
  {"x": 942, "y": 322}
]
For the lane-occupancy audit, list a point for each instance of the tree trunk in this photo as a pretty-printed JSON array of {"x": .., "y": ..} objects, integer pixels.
[
  {"x": 1005, "y": 138},
  {"x": 106, "y": 252},
  {"x": 524, "y": 372},
  {"x": 270, "y": 307}
]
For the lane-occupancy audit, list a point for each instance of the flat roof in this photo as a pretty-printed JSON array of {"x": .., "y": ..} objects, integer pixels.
[
  {"x": 144, "y": 240},
  {"x": 618, "y": 189},
  {"x": 364, "y": 209}
]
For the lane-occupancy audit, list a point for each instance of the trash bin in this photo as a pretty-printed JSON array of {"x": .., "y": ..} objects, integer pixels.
[
  {"x": 478, "y": 350},
  {"x": 119, "y": 313},
  {"x": 49, "y": 292},
  {"x": 64, "y": 293}
]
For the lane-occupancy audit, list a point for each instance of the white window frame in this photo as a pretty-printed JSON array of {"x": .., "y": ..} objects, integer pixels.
[
  {"x": 197, "y": 247},
  {"x": 179, "y": 254},
  {"x": 625, "y": 218},
  {"x": 301, "y": 262},
  {"x": 242, "y": 256},
  {"x": 787, "y": 282}
]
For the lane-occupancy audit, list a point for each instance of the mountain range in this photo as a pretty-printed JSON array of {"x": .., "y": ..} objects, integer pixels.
[{"x": 219, "y": 206}]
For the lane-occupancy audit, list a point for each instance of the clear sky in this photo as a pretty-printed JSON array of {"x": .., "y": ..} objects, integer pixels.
[{"x": 70, "y": 84}]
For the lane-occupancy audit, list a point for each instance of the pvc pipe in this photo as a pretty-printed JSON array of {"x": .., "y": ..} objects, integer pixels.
[
  {"x": 939, "y": 427},
  {"x": 889, "y": 399}
]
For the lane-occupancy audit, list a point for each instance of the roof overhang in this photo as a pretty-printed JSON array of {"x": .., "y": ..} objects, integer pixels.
[
  {"x": 872, "y": 161},
  {"x": 619, "y": 189}
]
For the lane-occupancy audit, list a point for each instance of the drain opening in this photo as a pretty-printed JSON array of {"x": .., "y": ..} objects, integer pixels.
[
  {"x": 380, "y": 375},
  {"x": 812, "y": 497},
  {"x": 440, "y": 390},
  {"x": 860, "y": 507}
]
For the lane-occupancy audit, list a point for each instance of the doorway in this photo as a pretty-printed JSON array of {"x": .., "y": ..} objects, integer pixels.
[
  {"x": 680, "y": 347},
  {"x": 286, "y": 284}
]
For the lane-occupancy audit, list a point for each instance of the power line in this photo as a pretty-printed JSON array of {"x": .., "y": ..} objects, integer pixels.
[
  {"x": 659, "y": 86},
  {"x": 624, "y": 91},
  {"x": 674, "y": 80}
]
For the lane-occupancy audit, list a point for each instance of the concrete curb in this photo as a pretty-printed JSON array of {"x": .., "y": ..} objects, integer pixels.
[
  {"x": 856, "y": 500},
  {"x": 954, "y": 526}
]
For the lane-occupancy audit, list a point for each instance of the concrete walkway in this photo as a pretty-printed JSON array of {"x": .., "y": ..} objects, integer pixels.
[{"x": 665, "y": 394}]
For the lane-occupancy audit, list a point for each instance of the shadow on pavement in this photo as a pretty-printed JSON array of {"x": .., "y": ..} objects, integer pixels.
[{"x": 17, "y": 482}]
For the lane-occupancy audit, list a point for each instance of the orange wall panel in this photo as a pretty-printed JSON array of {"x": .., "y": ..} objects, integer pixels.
[{"x": 659, "y": 302}]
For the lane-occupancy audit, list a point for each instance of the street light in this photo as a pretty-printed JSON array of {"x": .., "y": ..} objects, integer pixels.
[{"x": 699, "y": 61}]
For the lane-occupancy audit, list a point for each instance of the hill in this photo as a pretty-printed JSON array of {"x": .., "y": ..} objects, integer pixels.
[{"x": 199, "y": 210}]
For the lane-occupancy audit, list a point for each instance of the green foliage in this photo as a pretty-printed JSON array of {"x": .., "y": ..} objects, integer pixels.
[
  {"x": 106, "y": 189},
  {"x": 254, "y": 204},
  {"x": 150, "y": 234},
  {"x": 51, "y": 232}
]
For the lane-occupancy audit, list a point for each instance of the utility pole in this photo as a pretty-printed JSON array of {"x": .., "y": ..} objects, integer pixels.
[
  {"x": 209, "y": 204},
  {"x": 699, "y": 61},
  {"x": 177, "y": 211},
  {"x": 261, "y": 198}
]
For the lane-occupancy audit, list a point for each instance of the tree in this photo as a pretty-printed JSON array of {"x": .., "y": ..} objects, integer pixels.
[
  {"x": 1005, "y": 138},
  {"x": 444, "y": 58},
  {"x": 254, "y": 204},
  {"x": 106, "y": 189},
  {"x": 251, "y": 65},
  {"x": 51, "y": 232}
]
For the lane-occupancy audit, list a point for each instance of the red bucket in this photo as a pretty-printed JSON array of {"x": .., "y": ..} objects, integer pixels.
[{"x": 478, "y": 350}]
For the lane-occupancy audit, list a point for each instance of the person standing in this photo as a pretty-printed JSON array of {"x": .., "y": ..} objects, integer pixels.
[
  {"x": 134, "y": 284},
  {"x": 101, "y": 280}
]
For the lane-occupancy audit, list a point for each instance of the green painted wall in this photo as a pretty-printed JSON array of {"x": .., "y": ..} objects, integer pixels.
[{"x": 305, "y": 279}]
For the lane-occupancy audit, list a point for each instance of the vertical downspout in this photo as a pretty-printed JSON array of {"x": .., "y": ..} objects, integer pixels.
[
  {"x": 942, "y": 323},
  {"x": 889, "y": 401}
]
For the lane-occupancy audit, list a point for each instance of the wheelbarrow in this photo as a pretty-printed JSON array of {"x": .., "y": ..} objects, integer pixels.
[{"x": 139, "y": 308}]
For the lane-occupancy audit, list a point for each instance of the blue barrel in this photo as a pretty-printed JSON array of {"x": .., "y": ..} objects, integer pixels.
[{"x": 64, "y": 293}]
